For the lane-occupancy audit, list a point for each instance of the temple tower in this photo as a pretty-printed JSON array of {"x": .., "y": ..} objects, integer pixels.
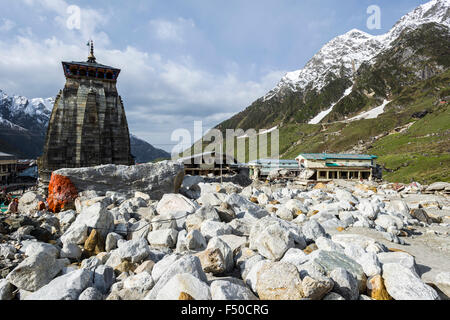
[{"x": 88, "y": 125}]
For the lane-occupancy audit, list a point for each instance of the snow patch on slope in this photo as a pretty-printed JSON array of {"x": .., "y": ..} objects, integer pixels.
[
  {"x": 371, "y": 114},
  {"x": 323, "y": 114}
]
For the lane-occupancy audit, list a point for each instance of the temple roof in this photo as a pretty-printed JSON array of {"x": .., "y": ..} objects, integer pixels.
[
  {"x": 93, "y": 69},
  {"x": 91, "y": 65}
]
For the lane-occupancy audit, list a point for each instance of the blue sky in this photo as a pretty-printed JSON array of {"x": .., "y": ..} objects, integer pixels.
[{"x": 181, "y": 60}]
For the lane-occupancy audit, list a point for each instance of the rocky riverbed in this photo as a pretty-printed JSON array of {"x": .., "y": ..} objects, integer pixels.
[{"x": 143, "y": 236}]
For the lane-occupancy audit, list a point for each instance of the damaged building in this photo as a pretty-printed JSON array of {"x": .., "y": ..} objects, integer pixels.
[{"x": 326, "y": 167}]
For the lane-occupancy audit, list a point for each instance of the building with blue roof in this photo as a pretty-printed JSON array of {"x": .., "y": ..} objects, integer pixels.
[{"x": 330, "y": 166}]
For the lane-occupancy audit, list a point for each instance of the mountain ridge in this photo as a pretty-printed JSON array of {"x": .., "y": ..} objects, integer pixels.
[{"x": 368, "y": 46}]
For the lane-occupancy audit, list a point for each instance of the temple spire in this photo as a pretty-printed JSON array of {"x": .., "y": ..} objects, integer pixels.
[{"x": 91, "y": 57}]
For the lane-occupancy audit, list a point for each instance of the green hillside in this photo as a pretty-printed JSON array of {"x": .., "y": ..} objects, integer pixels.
[{"x": 420, "y": 152}]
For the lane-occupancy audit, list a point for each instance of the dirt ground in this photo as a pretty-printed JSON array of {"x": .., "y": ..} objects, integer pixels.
[{"x": 431, "y": 251}]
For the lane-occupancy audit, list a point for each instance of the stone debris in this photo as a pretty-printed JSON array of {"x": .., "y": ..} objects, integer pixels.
[{"x": 129, "y": 236}]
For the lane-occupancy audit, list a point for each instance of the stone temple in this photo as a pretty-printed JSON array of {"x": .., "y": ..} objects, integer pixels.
[{"x": 88, "y": 125}]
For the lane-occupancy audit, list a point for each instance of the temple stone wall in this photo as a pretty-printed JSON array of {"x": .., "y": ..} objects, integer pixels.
[{"x": 88, "y": 127}]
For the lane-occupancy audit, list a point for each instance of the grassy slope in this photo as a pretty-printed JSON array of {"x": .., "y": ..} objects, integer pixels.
[{"x": 422, "y": 153}]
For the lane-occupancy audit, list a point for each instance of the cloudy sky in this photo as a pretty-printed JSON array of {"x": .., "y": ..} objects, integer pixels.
[{"x": 182, "y": 60}]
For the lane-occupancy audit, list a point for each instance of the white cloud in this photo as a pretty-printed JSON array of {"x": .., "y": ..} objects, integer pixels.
[
  {"x": 90, "y": 20},
  {"x": 171, "y": 30},
  {"x": 160, "y": 94},
  {"x": 6, "y": 25}
]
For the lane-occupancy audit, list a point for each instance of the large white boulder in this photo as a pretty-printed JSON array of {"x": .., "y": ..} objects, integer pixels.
[
  {"x": 95, "y": 216},
  {"x": 369, "y": 209},
  {"x": 295, "y": 256},
  {"x": 184, "y": 283},
  {"x": 345, "y": 284},
  {"x": 195, "y": 240},
  {"x": 162, "y": 265},
  {"x": 387, "y": 221},
  {"x": 227, "y": 253},
  {"x": 154, "y": 179},
  {"x": 212, "y": 199},
  {"x": 65, "y": 287},
  {"x": 36, "y": 271},
  {"x": 402, "y": 258},
  {"x": 271, "y": 238},
  {"x": 368, "y": 260},
  {"x": 279, "y": 281},
  {"x": 104, "y": 278},
  {"x": 134, "y": 250},
  {"x": 171, "y": 203},
  {"x": 316, "y": 289},
  {"x": 210, "y": 229},
  {"x": 29, "y": 202},
  {"x": 90, "y": 294},
  {"x": 330, "y": 260},
  {"x": 442, "y": 281},
  {"x": 403, "y": 284},
  {"x": 313, "y": 230},
  {"x": 166, "y": 238},
  {"x": 231, "y": 290},
  {"x": 186, "y": 264},
  {"x": 7, "y": 251}
]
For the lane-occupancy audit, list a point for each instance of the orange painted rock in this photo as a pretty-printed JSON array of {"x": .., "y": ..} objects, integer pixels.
[{"x": 61, "y": 193}]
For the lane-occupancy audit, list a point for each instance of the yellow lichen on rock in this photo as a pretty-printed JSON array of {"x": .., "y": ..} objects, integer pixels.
[
  {"x": 320, "y": 185},
  {"x": 376, "y": 288},
  {"x": 91, "y": 242},
  {"x": 125, "y": 266},
  {"x": 298, "y": 213},
  {"x": 185, "y": 296}
]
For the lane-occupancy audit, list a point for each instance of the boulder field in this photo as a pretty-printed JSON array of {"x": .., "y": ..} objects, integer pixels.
[{"x": 145, "y": 233}]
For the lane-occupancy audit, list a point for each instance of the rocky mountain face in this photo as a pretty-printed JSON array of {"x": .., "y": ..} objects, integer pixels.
[
  {"x": 300, "y": 95},
  {"x": 354, "y": 74},
  {"x": 23, "y": 125}
]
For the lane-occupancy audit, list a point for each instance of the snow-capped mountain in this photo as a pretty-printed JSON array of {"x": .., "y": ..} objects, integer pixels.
[
  {"x": 345, "y": 53},
  {"x": 30, "y": 114},
  {"x": 23, "y": 125}
]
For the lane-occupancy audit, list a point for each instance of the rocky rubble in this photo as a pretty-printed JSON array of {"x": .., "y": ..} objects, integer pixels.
[{"x": 335, "y": 241}]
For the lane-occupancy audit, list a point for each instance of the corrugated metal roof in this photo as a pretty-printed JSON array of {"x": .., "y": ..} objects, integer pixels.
[
  {"x": 6, "y": 156},
  {"x": 342, "y": 156},
  {"x": 268, "y": 165},
  {"x": 274, "y": 161},
  {"x": 209, "y": 155}
]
